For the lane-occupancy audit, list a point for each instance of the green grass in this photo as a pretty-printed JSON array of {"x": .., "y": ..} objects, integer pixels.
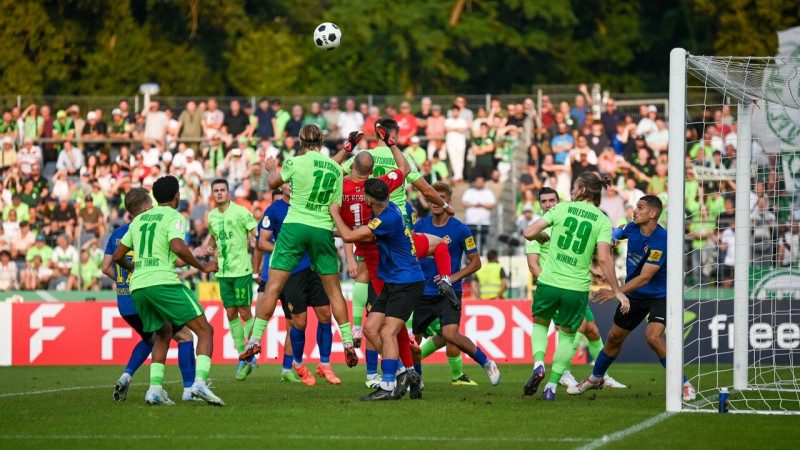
[{"x": 264, "y": 413}]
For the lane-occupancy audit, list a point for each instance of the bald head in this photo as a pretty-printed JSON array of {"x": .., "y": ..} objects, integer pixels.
[{"x": 363, "y": 163}]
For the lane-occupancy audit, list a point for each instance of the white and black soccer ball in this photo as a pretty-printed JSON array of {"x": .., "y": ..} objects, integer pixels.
[{"x": 327, "y": 36}]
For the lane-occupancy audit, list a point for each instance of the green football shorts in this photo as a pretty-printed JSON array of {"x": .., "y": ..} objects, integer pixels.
[
  {"x": 236, "y": 291},
  {"x": 296, "y": 239},
  {"x": 570, "y": 305},
  {"x": 589, "y": 315},
  {"x": 173, "y": 303}
]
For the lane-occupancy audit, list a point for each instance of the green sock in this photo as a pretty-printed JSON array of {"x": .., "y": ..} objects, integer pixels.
[
  {"x": 428, "y": 347},
  {"x": 539, "y": 342},
  {"x": 456, "y": 367},
  {"x": 248, "y": 328},
  {"x": 203, "y": 366},
  {"x": 259, "y": 326},
  {"x": 347, "y": 333},
  {"x": 360, "y": 294},
  {"x": 578, "y": 338},
  {"x": 595, "y": 347},
  {"x": 156, "y": 374},
  {"x": 563, "y": 356},
  {"x": 237, "y": 333}
]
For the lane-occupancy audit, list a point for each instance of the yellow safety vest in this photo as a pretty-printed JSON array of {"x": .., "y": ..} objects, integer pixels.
[{"x": 490, "y": 280}]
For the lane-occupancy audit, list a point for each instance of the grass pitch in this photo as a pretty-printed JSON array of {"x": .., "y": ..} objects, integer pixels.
[{"x": 72, "y": 407}]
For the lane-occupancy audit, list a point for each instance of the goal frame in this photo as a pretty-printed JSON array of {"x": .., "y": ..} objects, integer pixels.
[{"x": 678, "y": 75}]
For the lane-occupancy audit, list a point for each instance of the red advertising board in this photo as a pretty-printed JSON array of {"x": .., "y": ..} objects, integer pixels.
[{"x": 94, "y": 333}]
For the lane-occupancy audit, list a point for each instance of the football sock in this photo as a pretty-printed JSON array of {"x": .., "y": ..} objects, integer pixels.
[
  {"x": 479, "y": 357},
  {"x": 428, "y": 347},
  {"x": 325, "y": 342},
  {"x": 441, "y": 254},
  {"x": 259, "y": 325},
  {"x": 372, "y": 362},
  {"x": 298, "y": 339},
  {"x": 186, "y": 362},
  {"x": 552, "y": 386},
  {"x": 405, "y": 349},
  {"x": 562, "y": 356},
  {"x": 203, "y": 367},
  {"x": 287, "y": 362},
  {"x": 237, "y": 333},
  {"x": 539, "y": 342},
  {"x": 347, "y": 333},
  {"x": 418, "y": 368},
  {"x": 138, "y": 356},
  {"x": 595, "y": 347},
  {"x": 156, "y": 374},
  {"x": 601, "y": 365},
  {"x": 578, "y": 338},
  {"x": 360, "y": 294},
  {"x": 389, "y": 368},
  {"x": 456, "y": 366},
  {"x": 663, "y": 362},
  {"x": 248, "y": 328}
]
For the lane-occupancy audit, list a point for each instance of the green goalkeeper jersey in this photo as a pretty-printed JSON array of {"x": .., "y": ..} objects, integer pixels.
[
  {"x": 385, "y": 163},
  {"x": 149, "y": 236},
  {"x": 230, "y": 229}
]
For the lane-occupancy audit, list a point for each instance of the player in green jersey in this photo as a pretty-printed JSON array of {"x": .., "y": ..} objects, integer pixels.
[
  {"x": 578, "y": 228},
  {"x": 316, "y": 182},
  {"x": 157, "y": 238},
  {"x": 536, "y": 254},
  {"x": 229, "y": 227}
]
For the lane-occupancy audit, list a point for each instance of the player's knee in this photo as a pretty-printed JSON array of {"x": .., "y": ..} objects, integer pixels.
[
  {"x": 299, "y": 322},
  {"x": 450, "y": 334},
  {"x": 654, "y": 339},
  {"x": 591, "y": 332},
  {"x": 232, "y": 314}
]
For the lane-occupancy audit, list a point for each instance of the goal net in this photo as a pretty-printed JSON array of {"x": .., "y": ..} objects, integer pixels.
[{"x": 734, "y": 233}]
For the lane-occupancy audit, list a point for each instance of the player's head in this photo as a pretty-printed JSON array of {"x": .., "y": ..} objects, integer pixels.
[
  {"x": 276, "y": 194},
  {"x": 137, "y": 201},
  {"x": 648, "y": 209},
  {"x": 376, "y": 192},
  {"x": 446, "y": 192},
  {"x": 389, "y": 125},
  {"x": 363, "y": 164},
  {"x": 166, "y": 190},
  {"x": 492, "y": 255},
  {"x": 589, "y": 187},
  {"x": 548, "y": 197},
  {"x": 220, "y": 191},
  {"x": 310, "y": 137}
]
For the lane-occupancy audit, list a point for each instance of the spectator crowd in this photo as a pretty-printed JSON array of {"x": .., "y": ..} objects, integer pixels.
[{"x": 65, "y": 173}]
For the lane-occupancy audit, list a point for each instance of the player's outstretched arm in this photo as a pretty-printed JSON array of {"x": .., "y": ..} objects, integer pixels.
[
  {"x": 178, "y": 246},
  {"x": 607, "y": 265},
  {"x": 399, "y": 158},
  {"x": 274, "y": 180},
  {"x": 108, "y": 269},
  {"x": 362, "y": 234},
  {"x": 534, "y": 231},
  {"x": 349, "y": 145},
  {"x": 432, "y": 196},
  {"x": 121, "y": 260}
]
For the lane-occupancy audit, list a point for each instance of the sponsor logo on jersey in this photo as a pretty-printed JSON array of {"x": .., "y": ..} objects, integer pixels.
[
  {"x": 392, "y": 175},
  {"x": 470, "y": 243},
  {"x": 374, "y": 223},
  {"x": 655, "y": 256},
  {"x": 447, "y": 240},
  {"x": 265, "y": 222}
]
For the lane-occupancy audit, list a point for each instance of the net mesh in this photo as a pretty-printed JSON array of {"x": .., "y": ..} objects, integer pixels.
[{"x": 715, "y": 88}]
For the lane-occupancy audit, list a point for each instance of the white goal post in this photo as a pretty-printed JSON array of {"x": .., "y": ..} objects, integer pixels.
[{"x": 733, "y": 221}]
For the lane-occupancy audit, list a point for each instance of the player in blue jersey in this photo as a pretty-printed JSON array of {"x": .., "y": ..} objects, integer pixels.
[
  {"x": 138, "y": 201},
  {"x": 433, "y": 305},
  {"x": 302, "y": 289},
  {"x": 405, "y": 282},
  {"x": 646, "y": 288}
]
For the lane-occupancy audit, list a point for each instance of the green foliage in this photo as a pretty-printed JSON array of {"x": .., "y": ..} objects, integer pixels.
[{"x": 414, "y": 46}]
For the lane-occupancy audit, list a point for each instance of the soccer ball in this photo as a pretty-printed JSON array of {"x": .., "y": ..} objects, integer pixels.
[{"x": 327, "y": 36}]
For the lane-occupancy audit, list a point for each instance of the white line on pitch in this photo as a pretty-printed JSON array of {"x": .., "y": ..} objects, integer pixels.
[
  {"x": 609, "y": 438},
  {"x": 74, "y": 388},
  {"x": 289, "y": 437}
]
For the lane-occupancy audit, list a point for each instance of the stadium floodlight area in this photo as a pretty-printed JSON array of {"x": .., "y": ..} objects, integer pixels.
[{"x": 733, "y": 302}]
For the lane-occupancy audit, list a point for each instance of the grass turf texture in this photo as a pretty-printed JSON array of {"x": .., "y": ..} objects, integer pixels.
[{"x": 72, "y": 407}]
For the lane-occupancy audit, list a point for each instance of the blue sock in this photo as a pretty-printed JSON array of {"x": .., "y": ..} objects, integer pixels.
[
  {"x": 298, "y": 338},
  {"x": 418, "y": 368},
  {"x": 186, "y": 362},
  {"x": 287, "y": 362},
  {"x": 325, "y": 341},
  {"x": 479, "y": 357},
  {"x": 372, "y": 362},
  {"x": 389, "y": 367},
  {"x": 663, "y": 362},
  {"x": 138, "y": 356},
  {"x": 602, "y": 364}
]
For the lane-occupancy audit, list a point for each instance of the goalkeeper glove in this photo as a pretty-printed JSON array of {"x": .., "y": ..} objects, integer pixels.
[
  {"x": 352, "y": 140},
  {"x": 384, "y": 135}
]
